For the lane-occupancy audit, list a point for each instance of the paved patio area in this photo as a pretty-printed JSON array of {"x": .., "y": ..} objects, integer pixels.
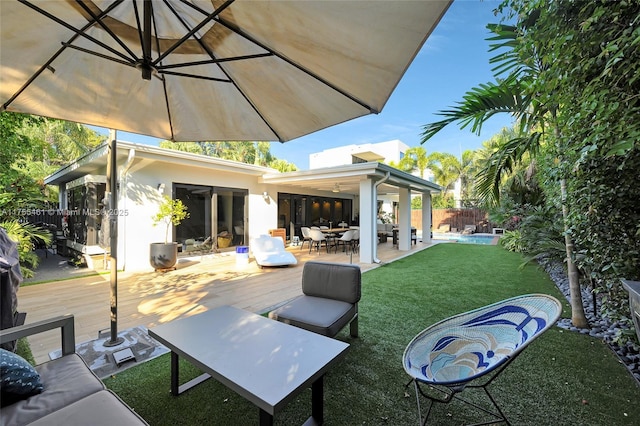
[{"x": 151, "y": 298}]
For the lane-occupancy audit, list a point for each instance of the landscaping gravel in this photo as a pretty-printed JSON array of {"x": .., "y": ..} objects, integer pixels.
[{"x": 601, "y": 327}]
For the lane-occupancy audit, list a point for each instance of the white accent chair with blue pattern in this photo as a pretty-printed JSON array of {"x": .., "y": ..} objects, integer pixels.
[{"x": 471, "y": 349}]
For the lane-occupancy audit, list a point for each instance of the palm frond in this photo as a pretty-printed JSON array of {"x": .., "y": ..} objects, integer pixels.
[
  {"x": 481, "y": 103},
  {"x": 506, "y": 38},
  {"x": 502, "y": 162}
]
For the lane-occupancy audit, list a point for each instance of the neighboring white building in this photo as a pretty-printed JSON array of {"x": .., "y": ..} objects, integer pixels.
[{"x": 383, "y": 152}]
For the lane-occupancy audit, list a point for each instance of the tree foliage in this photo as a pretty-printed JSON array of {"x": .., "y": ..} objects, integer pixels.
[
  {"x": 519, "y": 94},
  {"x": 21, "y": 183},
  {"x": 249, "y": 152},
  {"x": 590, "y": 68}
]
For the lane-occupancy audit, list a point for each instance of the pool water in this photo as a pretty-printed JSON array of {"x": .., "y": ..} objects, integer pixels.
[{"x": 484, "y": 239}]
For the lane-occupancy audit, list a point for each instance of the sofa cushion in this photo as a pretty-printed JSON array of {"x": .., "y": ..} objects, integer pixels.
[
  {"x": 66, "y": 380},
  {"x": 18, "y": 379},
  {"x": 332, "y": 280},
  {"x": 317, "y": 314},
  {"x": 100, "y": 408}
]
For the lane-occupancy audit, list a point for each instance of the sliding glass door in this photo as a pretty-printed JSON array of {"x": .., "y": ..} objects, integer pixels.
[
  {"x": 230, "y": 225},
  {"x": 215, "y": 212}
]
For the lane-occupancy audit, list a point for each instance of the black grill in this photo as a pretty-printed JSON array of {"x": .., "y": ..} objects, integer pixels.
[{"x": 10, "y": 280}]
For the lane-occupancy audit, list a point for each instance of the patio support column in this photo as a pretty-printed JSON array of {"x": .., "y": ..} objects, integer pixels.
[
  {"x": 404, "y": 219},
  {"x": 367, "y": 221},
  {"x": 426, "y": 217}
]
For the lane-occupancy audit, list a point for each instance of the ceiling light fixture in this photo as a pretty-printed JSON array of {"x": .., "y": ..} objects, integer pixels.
[{"x": 336, "y": 188}]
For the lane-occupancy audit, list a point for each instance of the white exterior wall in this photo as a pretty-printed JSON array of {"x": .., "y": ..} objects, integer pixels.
[{"x": 139, "y": 199}]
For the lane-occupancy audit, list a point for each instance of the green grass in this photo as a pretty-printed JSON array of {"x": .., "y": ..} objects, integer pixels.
[
  {"x": 563, "y": 378},
  {"x": 74, "y": 277}
]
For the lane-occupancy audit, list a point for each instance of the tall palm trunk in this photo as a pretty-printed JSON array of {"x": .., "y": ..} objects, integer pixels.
[{"x": 578, "y": 318}]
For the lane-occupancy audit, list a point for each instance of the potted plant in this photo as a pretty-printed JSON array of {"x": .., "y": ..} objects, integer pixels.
[{"x": 165, "y": 255}]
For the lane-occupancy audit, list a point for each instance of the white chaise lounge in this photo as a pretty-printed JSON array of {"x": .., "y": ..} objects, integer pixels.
[{"x": 270, "y": 251}]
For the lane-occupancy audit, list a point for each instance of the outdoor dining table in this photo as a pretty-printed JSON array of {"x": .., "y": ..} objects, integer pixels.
[{"x": 335, "y": 231}]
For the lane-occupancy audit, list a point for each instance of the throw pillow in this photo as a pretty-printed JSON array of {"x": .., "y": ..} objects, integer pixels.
[{"x": 18, "y": 379}]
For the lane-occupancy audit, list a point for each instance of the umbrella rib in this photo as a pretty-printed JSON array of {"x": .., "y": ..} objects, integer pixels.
[
  {"x": 214, "y": 61},
  {"x": 98, "y": 20},
  {"x": 80, "y": 32},
  {"x": 201, "y": 77},
  {"x": 192, "y": 32},
  {"x": 100, "y": 55},
  {"x": 195, "y": 29},
  {"x": 313, "y": 75},
  {"x": 47, "y": 64}
]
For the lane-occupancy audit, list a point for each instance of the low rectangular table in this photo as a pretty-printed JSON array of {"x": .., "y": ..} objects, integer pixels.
[{"x": 264, "y": 361}]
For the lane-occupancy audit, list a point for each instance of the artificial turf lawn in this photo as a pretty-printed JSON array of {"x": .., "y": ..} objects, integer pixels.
[{"x": 562, "y": 378}]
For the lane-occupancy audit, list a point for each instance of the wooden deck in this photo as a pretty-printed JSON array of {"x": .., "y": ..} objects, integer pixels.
[{"x": 148, "y": 299}]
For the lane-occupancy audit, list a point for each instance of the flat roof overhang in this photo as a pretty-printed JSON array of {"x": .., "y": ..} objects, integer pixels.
[
  {"x": 96, "y": 160},
  {"x": 348, "y": 178}
]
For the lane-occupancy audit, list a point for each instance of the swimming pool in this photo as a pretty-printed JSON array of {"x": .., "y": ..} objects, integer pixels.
[{"x": 483, "y": 239}]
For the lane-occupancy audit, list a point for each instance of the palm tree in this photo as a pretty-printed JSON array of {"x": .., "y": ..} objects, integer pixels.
[
  {"x": 262, "y": 153},
  {"x": 516, "y": 94},
  {"x": 415, "y": 158},
  {"x": 444, "y": 167}
]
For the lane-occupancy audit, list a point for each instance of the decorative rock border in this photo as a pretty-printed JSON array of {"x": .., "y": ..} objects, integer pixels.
[{"x": 601, "y": 327}]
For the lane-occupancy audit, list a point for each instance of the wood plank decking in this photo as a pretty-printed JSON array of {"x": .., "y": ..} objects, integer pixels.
[{"x": 152, "y": 298}]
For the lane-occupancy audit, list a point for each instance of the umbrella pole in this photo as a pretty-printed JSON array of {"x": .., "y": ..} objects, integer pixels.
[{"x": 112, "y": 190}]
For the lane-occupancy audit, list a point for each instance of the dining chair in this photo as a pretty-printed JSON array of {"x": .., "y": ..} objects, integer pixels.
[
  {"x": 355, "y": 241},
  {"x": 345, "y": 240},
  {"x": 318, "y": 239},
  {"x": 306, "y": 235}
]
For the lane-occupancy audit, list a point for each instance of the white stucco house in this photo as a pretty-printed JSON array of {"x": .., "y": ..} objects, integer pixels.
[{"x": 224, "y": 197}]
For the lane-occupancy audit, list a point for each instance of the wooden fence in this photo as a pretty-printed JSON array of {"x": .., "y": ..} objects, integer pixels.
[{"x": 456, "y": 218}]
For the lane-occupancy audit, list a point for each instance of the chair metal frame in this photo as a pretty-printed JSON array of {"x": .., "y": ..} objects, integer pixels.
[
  {"x": 306, "y": 236},
  {"x": 318, "y": 238},
  {"x": 471, "y": 349}
]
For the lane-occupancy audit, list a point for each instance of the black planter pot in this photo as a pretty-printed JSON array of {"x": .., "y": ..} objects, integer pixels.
[{"x": 163, "y": 255}]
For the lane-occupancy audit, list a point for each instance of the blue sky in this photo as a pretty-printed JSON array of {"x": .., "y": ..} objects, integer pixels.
[{"x": 454, "y": 59}]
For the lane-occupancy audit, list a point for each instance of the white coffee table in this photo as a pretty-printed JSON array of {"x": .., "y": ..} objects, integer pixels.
[{"x": 264, "y": 361}]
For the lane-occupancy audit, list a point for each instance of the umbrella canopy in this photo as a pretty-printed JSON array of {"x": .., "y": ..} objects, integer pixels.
[
  {"x": 208, "y": 70},
  {"x": 195, "y": 70}
]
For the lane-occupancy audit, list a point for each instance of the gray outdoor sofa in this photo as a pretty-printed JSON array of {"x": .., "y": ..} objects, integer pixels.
[
  {"x": 72, "y": 394},
  {"x": 331, "y": 292}
]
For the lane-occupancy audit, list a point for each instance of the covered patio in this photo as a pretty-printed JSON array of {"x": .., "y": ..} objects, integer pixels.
[{"x": 151, "y": 298}]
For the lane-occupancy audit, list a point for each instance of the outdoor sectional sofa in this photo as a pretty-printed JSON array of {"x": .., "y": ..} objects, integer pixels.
[
  {"x": 385, "y": 230},
  {"x": 71, "y": 393}
]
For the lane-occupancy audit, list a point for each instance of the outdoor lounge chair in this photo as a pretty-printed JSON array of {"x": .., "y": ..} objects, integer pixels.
[
  {"x": 446, "y": 227},
  {"x": 331, "y": 292},
  {"x": 469, "y": 229},
  {"x": 471, "y": 349},
  {"x": 270, "y": 251},
  {"x": 193, "y": 246}
]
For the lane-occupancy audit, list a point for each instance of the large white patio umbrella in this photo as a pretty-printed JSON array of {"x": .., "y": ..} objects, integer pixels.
[{"x": 189, "y": 70}]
